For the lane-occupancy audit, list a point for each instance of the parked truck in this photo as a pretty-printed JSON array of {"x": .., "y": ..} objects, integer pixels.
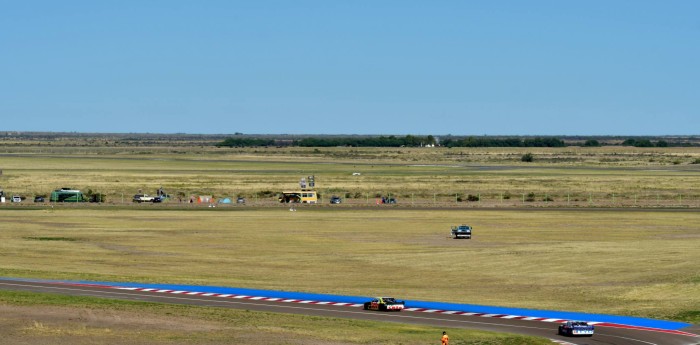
[{"x": 462, "y": 231}]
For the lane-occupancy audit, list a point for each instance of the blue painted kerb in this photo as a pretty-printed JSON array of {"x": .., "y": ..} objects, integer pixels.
[{"x": 472, "y": 308}]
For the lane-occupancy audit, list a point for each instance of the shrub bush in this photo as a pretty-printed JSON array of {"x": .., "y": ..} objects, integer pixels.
[{"x": 530, "y": 197}]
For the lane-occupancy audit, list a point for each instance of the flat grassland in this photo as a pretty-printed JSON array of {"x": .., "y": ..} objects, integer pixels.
[
  {"x": 637, "y": 262},
  {"x": 493, "y": 177},
  {"x": 531, "y": 253}
]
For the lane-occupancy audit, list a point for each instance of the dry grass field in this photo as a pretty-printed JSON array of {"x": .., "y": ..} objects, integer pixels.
[
  {"x": 560, "y": 177},
  {"x": 637, "y": 262},
  {"x": 608, "y": 230}
]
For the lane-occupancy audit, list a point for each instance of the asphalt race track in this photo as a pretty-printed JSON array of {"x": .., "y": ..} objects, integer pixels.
[{"x": 603, "y": 335}]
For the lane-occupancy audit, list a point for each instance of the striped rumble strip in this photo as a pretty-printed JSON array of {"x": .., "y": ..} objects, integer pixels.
[{"x": 228, "y": 295}]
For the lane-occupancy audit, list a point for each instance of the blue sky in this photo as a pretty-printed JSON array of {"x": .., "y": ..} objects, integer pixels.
[{"x": 351, "y": 67}]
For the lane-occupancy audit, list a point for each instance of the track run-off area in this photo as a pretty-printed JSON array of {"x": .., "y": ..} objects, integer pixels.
[{"x": 610, "y": 329}]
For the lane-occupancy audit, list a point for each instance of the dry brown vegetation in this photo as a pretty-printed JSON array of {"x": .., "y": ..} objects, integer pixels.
[
  {"x": 573, "y": 177},
  {"x": 634, "y": 263},
  {"x": 638, "y": 262}
]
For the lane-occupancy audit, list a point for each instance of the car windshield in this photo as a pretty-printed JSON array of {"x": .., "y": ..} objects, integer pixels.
[{"x": 389, "y": 300}]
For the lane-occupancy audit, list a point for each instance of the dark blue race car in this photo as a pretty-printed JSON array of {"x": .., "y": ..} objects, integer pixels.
[{"x": 576, "y": 328}]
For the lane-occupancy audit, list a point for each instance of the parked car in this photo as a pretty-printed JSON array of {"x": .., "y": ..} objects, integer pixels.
[
  {"x": 461, "y": 231},
  {"x": 143, "y": 198},
  {"x": 387, "y": 200},
  {"x": 16, "y": 198},
  {"x": 38, "y": 198},
  {"x": 336, "y": 200},
  {"x": 240, "y": 200}
]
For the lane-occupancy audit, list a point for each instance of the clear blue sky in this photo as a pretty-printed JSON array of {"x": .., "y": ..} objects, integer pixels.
[{"x": 599, "y": 67}]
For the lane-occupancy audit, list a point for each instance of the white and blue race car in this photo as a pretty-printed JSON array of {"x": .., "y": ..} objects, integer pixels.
[{"x": 576, "y": 328}]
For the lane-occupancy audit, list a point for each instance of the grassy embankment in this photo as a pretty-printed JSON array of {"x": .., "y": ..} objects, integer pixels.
[{"x": 641, "y": 263}]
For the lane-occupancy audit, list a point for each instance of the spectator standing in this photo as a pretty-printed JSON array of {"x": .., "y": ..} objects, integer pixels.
[{"x": 445, "y": 339}]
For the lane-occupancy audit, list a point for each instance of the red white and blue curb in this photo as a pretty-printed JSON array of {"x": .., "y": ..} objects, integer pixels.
[
  {"x": 235, "y": 296},
  {"x": 357, "y": 305}
]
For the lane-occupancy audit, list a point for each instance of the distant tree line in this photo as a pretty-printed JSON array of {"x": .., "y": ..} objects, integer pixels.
[
  {"x": 429, "y": 140},
  {"x": 381, "y": 141},
  {"x": 245, "y": 142},
  {"x": 592, "y": 143},
  {"x": 506, "y": 142},
  {"x": 649, "y": 143}
]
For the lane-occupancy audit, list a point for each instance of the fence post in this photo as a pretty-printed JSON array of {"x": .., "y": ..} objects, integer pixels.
[
  {"x": 479, "y": 196},
  {"x": 523, "y": 202},
  {"x": 590, "y": 199},
  {"x": 434, "y": 199},
  {"x": 568, "y": 199}
]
